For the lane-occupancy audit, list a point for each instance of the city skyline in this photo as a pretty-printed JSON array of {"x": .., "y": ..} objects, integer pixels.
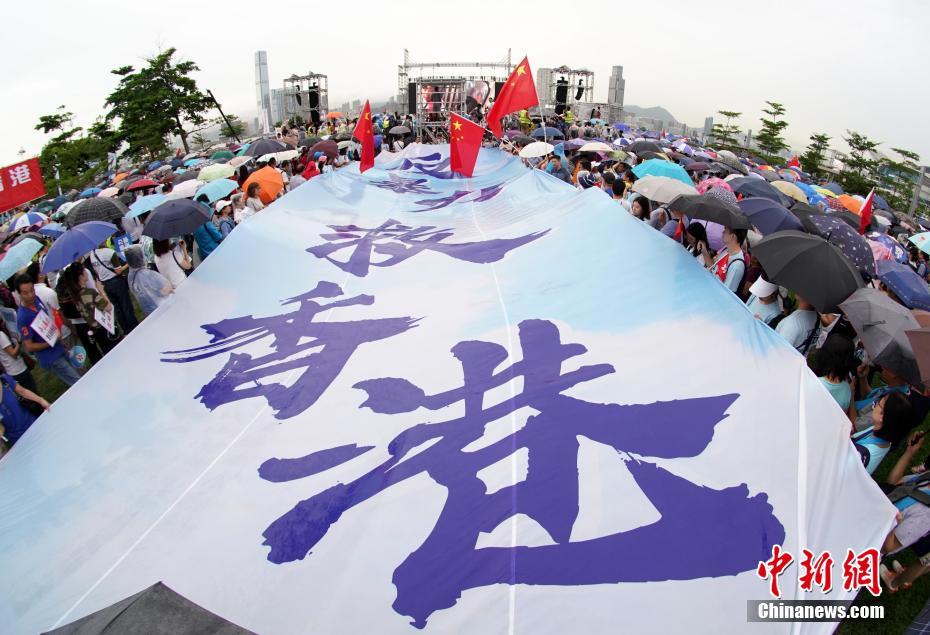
[{"x": 825, "y": 86}]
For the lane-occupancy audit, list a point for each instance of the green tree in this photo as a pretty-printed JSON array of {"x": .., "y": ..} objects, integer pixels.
[
  {"x": 158, "y": 100},
  {"x": 77, "y": 154},
  {"x": 234, "y": 129},
  {"x": 859, "y": 174},
  {"x": 725, "y": 135},
  {"x": 199, "y": 140},
  {"x": 897, "y": 179},
  {"x": 770, "y": 138},
  {"x": 815, "y": 154}
]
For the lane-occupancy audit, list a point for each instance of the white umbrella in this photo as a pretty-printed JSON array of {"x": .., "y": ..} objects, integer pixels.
[
  {"x": 237, "y": 161},
  {"x": 187, "y": 189},
  {"x": 216, "y": 171},
  {"x": 595, "y": 146},
  {"x": 345, "y": 144},
  {"x": 536, "y": 149},
  {"x": 662, "y": 188},
  {"x": 284, "y": 155},
  {"x": 110, "y": 192}
]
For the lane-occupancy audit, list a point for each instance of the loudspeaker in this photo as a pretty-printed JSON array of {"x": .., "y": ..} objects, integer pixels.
[
  {"x": 580, "y": 91},
  {"x": 498, "y": 87},
  {"x": 412, "y": 98},
  {"x": 315, "y": 117},
  {"x": 297, "y": 97},
  {"x": 313, "y": 97},
  {"x": 561, "y": 96}
]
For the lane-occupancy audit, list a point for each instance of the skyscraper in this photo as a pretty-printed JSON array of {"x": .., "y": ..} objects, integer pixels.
[
  {"x": 262, "y": 91},
  {"x": 708, "y": 126},
  {"x": 615, "y": 90},
  {"x": 277, "y": 105}
]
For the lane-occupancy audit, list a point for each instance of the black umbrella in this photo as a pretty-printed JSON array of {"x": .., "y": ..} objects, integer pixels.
[
  {"x": 177, "y": 217},
  {"x": 705, "y": 207},
  {"x": 309, "y": 142},
  {"x": 749, "y": 186},
  {"x": 265, "y": 146},
  {"x": 343, "y": 136},
  {"x": 722, "y": 168},
  {"x": 853, "y": 246},
  {"x": 185, "y": 176},
  {"x": 648, "y": 154},
  {"x": 158, "y": 610},
  {"x": 523, "y": 140},
  {"x": 33, "y": 235},
  {"x": 697, "y": 166},
  {"x": 768, "y": 216},
  {"x": 769, "y": 176},
  {"x": 810, "y": 266},
  {"x": 638, "y": 147},
  {"x": 399, "y": 130},
  {"x": 106, "y": 209},
  {"x": 129, "y": 180},
  {"x": 847, "y": 217}
]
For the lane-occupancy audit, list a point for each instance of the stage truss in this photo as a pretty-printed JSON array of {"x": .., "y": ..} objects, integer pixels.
[{"x": 302, "y": 85}]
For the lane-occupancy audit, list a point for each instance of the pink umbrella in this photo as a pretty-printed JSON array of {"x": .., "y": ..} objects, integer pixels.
[{"x": 706, "y": 184}]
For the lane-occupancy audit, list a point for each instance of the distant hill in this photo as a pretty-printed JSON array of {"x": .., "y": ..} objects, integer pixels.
[{"x": 655, "y": 112}]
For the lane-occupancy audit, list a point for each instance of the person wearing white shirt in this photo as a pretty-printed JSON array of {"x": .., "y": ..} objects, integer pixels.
[
  {"x": 799, "y": 327},
  {"x": 111, "y": 273}
]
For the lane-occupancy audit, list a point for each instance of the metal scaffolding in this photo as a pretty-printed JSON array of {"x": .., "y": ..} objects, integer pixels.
[
  {"x": 574, "y": 80},
  {"x": 298, "y": 91}
]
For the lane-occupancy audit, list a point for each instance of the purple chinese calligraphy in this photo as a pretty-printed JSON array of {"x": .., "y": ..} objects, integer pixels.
[
  {"x": 701, "y": 532},
  {"x": 294, "y": 336},
  {"x": 400, "y": 185},
  {"x": 430, "y": 164},
  {"x": 398, "y": 242},
  {"x": 459, "y": 196}
]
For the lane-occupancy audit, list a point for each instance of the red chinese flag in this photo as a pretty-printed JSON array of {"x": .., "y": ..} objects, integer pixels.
[
  {"x": 366, "y": 136},
  {"x": 20, "y": 183},
  {"x": 865, "y": 213},
  {"x": 465, "y": 143},
  {"x": 517, "y": 93}
]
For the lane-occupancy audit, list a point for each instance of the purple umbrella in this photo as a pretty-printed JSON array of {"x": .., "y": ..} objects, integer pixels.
[
  {"x": 904, "y": 283},
  {"x": 768, "y": 216},
  {"x": 853, "y": 246},
  {"x": 510, "y": 134}
]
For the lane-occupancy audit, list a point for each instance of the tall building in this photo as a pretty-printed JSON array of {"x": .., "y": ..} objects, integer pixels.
[
  {"x": 277, "y": 106},
  {"x": 615, "y": 90},
  {"x": 262, "y": 91},
  {"x": 708, "y": 126}
]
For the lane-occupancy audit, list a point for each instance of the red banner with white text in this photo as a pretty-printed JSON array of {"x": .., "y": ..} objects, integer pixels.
[{"x": 20, "y": 183}]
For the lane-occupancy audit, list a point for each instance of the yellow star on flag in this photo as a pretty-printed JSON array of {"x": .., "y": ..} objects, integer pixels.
[
  {"x": 457, "y": 125},
  {"x": 521, "y": 70},
  {"x": 367, "y": 115}
]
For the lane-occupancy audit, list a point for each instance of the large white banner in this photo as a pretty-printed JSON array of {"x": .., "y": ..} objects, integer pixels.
[{"x": 407, "y": 400}]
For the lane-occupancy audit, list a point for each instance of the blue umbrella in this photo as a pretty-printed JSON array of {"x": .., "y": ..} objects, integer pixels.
[
  {"x": 89, "y": 192},
  {"x": 18, "y": 256},
  {"x": 549, "y": 133},
  {"x": 768, "y": 216},
  {"x": 53, "y": 230},
  {"x": 898, "y": 252},
  {"x": 621, "y": 127},
  {"x": 854, "y": 247},
  {"x": 191, "y": 162},
  {"x": 176, "y": 163},
  {"x": 220, "y": 188},
  {"x": 749, "y": 186},
  {"x": 904, "y": 282},
  {"x": 58, "y": 201},
  {"x": 153, "y": 165},
  {"x": 879, "y": 202},
  {"x": 76, "y": 243},
  {"x": 145, "y": 204},
  {"x": 836, "y": 188},
  {"x": 658, "y": 167}
]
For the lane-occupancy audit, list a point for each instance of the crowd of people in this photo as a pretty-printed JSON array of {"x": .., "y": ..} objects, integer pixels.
[{"x": 132, "y": 272}]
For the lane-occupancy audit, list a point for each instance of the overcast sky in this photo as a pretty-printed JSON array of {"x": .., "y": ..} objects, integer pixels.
[{"x": 833, "y": 64}]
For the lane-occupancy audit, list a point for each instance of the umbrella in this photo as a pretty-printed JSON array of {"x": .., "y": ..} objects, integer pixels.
[
  {"x": 239, "y": 161},
  {"x": 853, "y": 246},
  {"x": 882, "y": 324},
  {"x": 334, "y": 114},
  {"x": 176, "y": 163},
  {"x": 706, "y": 207},
  {"x": 880, "y": 203},
  {"x": 269, "y": 181},
  {"x": 649, "y": 155},
  {"x": 656, "y": 167},
  {"x": 898, "y": 252},
  {"x": 33, "y": 235},
  {"x": 706, "y": 184},
  {"x": 28, "y": 220},
  {"x": 847, "y": 217},
  {"x": 808, "y": 265},
  {"x": 919, "y": 340},
  {"x": 328, "y": 147},
  {"x": 119, "y": 177},
  {"x": 922, "y": 241},
  {"x": 265, "y": 146},
  {"x": 146, "y": 204},
  {"x": 791, "y": 190},
  {"x": 220, "y": 188},
  {"x": 697, "y": 166},
  {"x": 192, "y": 162},
  {"x": 548, "y": 133},
  {"x": 141, "y": 184},
  {"x": 768, "y": 216},
  {"x": 222, "y": 154},
  {"x": 905, "y": 283},
  {"x": 523, "y": 140},
  {"x": 644, "y": 146},
  {"x": 76, "y": 243},
  {"x": 89, "y": 192},
  {"x": 104, "y": 209},
  {"x": 58, "y": 201},
  {"x": 748, "y": 187},
  {"x": 849, "y": 203},
  {"x": 218, "y": 171},
  {"x": 185, "y": 176},
  {"x": 18, "y": 256},
  {"x": 731, "y": 160},
  {"x": 536, "y": 149},
  {"x": 834, "y": 187},
  {"x": 187, "y": 189},
  {"x": 399, "y": 130},
  {"x": 176, "y": 218},
  {"x": 307, "y": 142},
  {"x": 158, "y": 610},
  {"x": 109, "y": 192},
  {"x": 595, "y": 146},
  {"x": 284, "y": 155},
  {"x": 53, "y": 230},
  {"x": 662, "y": 188}
]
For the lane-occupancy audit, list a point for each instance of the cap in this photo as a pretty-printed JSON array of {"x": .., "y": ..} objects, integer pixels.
[
  {"x": 762, "y": 288},
  {"x": 221, "y": 205}
]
